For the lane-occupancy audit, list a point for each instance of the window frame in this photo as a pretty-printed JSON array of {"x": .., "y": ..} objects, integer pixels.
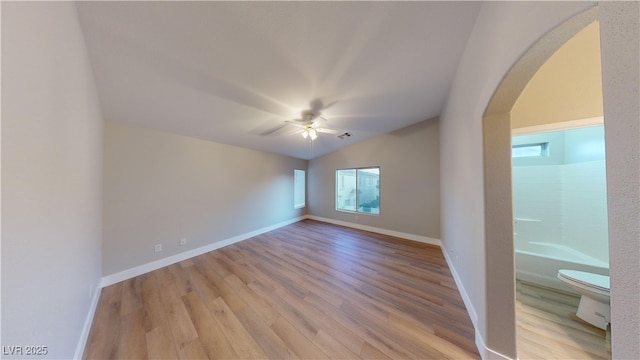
[
  {"x": 296, "y": 175},
  {"x": 544, "y": 150},
  {"x": 356, "y": 211}
]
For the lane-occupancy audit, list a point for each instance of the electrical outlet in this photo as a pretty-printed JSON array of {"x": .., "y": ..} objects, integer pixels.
[
  {"x": 157, "y": 248},
  {"x": 183, "y": 241}
]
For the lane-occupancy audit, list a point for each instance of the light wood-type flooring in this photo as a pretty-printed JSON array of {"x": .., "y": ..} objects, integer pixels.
[
  {"x": 309, "y": 290},
  {"x": 548, "y": 328}
]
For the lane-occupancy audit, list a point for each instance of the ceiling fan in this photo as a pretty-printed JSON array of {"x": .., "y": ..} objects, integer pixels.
[{"x": 311, "y": 125}]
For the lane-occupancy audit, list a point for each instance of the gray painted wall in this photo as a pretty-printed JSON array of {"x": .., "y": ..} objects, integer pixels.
[
  {"x": 619, "y": 40},
  {"x": 52, "y": 157},
  {"x": 409, "y": 180},
  {"x": 503, "y": 32},
  {"x": 51, "y": 179},
  {"x": 160, "y": 187}
]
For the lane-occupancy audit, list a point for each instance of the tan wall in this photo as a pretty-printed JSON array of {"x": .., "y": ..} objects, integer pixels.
[
  {"x": 567, "y": 87},
  {"x": 409, "y": 180},
  {"x": 160, "y": 187}
]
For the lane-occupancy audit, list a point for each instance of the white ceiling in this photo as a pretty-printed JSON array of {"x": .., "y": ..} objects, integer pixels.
[{"x": 233, "y": 72}]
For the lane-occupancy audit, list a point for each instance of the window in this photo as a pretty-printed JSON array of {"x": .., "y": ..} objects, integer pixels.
[
  {"x": 299, "y": 193},
  {"x": 530, "y": 150},
  {"x": 358, "y": 190}
]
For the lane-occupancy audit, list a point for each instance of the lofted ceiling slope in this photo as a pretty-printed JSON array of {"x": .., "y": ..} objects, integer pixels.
[{"x": 233, "y": 72}]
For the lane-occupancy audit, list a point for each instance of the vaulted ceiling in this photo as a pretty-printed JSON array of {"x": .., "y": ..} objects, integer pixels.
[{"x": 233, "y": 72}]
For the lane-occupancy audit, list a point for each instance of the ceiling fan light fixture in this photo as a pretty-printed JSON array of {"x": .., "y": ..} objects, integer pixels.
[{"x": 309, "y": 132}]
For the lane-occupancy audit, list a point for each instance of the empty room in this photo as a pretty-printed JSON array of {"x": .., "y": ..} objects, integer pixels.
[{"x": 319, "y": 180}]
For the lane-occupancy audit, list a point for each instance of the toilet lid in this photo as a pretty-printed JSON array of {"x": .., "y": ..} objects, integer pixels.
[{"x": 589, "y": 279}]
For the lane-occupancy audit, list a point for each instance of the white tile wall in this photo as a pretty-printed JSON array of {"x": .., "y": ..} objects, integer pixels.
[
  {"x": 570, "y": 202},
  {"x": 584, "y": 215},
  {"x": 536, "y": 195}
]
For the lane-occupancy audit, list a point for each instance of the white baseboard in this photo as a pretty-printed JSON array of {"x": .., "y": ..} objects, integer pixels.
[
  {"x": 84, "y": 335},
  {"x": 485, "y": 352},
  {"x": 145, "y": 268},
  {"x": 154, "y": 265},
  {"x": 419, "y": 238},
  {"x": 463, "y": 292}
]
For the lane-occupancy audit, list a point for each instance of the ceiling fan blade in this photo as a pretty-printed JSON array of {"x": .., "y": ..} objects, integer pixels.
[
  {"x": 290, "y": 131},
  {"x": 318, "y": 121},
  {"x": 296, "y": 123},
  {"x": 327, "y": 131},
  {"x": 330, "y": 104},
  {"x": 317, "y": 105},
  {"x": 309, "y": 116},
  {"x": 273, "y": 131}
]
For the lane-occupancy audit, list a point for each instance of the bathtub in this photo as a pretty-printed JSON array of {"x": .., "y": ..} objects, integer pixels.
[{"x": 539, "y": 262}]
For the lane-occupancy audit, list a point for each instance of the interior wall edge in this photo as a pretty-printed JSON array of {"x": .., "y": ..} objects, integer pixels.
[
  {"x": 409, "y": 204},
  {"x": 519, "y": 75},
  {"x": 151, "y": 266},
  {"x": 485, "y": 352},
  {"x": 498, "y": 214},
  {"x": 481, "y": 345},
  {"x": 498, "y": 220},
  {"x": 160, "y": 187},
  {"x": 145, "y": 268},
  {"x": 52, "y": 129},
  {"x": 463, "y": 292},
  {"x": 620, "y": 42}
]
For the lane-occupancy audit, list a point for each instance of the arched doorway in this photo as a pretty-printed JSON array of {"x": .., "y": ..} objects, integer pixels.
[
  {"x": 497, "y": 161},
  {"x": 620, "y": 39}
]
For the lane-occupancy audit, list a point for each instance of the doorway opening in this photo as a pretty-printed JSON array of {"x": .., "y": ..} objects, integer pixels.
[
  {"x": 560, "y": 202},
  {"x": 497, "y": 125}
]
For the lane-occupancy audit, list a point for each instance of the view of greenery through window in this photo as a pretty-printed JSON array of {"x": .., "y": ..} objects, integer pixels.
[{"x": 358, "y": 190}]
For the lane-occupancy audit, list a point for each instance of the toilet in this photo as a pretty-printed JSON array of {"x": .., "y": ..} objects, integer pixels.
[{"x": 594, "y": 305}]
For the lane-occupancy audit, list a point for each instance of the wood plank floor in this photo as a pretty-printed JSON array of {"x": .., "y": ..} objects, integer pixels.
[
  {"x": 548, "y": 328},
  {"x": 310, "y": 290}
]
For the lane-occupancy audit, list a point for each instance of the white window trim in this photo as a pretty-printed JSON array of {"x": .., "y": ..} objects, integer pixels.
[
  {"x": 299, "y": 200},
  {"x": 335, "y": 195}
]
